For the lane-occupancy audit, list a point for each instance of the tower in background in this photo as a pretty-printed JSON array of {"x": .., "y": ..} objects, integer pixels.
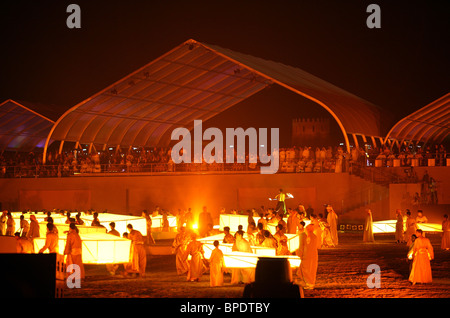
[{"x": 311, "y": 132}]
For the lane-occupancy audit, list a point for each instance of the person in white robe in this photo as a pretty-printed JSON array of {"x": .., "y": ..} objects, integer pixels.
[
  {"x": 216, "y": 266},
  {"x": 308, "y": 253},
  {"x": 368, "y": 233},
  {"x": 445, "y": 242},
  {"x": 421, "y": 254},
  {"x": 399, "y": 227},
  {"x": 242, "y": 275},
  {"x": 179, "y": 247},
  {"x": 332, "y": 219}
]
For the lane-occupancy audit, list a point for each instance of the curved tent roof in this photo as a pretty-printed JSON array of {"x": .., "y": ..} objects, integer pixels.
[
  {"x": 197, "y": 81},
  {"x": 430, "y": 124},
  {"x": 21, "y": 128}
]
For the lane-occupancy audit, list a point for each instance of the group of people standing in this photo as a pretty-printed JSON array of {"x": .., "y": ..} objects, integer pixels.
[
  {"x": 73, "y": 246},
  {"x": 420, "y": 249},
  {"x": 30, "y": 231},
  {"x": 315, "y": 232},
  {"x": 320, "y": 232},
  {"x": 186, "y": 245}
]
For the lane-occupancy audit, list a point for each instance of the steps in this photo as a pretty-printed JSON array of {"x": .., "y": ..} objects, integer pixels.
[{"x": 365, "y": 194}]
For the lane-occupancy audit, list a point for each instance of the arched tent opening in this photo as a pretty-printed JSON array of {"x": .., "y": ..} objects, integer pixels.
[
  {"x": 427, "y": 126},
  {"x": 22, "y": 129},
  {"x": 198, "y": 81}
]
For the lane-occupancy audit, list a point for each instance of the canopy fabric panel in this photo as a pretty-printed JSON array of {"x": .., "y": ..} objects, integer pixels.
[
  {"x": 197, "y": 81},
  {"x": 21, "y": 128},
  {"x": 354, "y": 114},
  {"x": 143, "y": 108},
  {"x": 429, "y": 124}
]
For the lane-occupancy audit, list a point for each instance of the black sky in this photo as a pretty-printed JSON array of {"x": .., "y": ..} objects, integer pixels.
[{"x": 400, "y": 67}]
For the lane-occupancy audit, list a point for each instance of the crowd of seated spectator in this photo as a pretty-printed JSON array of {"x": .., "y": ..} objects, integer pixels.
[
  {"x": 309, "y": 159},
  {"x": 414, "y": 156},
  {"x": 296, "y": 159}
]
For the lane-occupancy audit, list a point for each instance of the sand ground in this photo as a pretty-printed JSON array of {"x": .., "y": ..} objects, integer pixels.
[{"x": 342, "y": 273}]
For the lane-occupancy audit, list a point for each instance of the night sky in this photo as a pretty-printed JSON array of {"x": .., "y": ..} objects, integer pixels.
[{"x": 401, "y": 67}]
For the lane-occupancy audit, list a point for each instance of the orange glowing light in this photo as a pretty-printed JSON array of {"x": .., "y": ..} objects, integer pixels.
[
  {"x": 388, "y": 226},
  {"x": 139, "y": 223},
  {"x": 97, "y": 248},
  {"x": 234, "y": 220},
  {"x": 235, "y": 259}
]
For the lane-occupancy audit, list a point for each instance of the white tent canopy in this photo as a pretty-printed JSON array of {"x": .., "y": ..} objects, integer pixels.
[{"x": 197, "y": 81}]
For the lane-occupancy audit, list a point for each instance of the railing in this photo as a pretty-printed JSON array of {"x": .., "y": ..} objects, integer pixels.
[
  {"x": 429, "y": 160},
  {"x": 368, "y": 169},
  {"x": 54, "y": 171},
  {"x": 378, "y": 175}
]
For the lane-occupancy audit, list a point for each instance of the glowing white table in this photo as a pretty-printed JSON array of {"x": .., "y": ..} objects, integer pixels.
[
  {"x": 138, "y": 223},
  {"x": 157, "y": 222},
  {"x": 40, "y": 217},
  {"x": 249, "y": 260},
  {"x": 83, "y": 229},
  {"x": 235, "y": 259},
  {"x": 388, "y": 226},
  {"x": 97, "y": 248},
  {"x": 293, "y": 242},
  {"x": 233, "y": 221}
]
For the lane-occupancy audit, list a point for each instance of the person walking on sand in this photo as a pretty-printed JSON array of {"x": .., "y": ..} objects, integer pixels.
[
  {"x": 242, "y": 275},
  {"x": 138, "y": 253},
  {"x": 308, "y": 253},
  {"x": 51, "y": 240},
  {"x": 179, "y": 246},
  {"x": 196, "y": 264},
  {"x": 422, "y": 254},
  {"x": 10, "y": 224},
  {"x": 73, "y": 249},
  {"x": 399, "y": 227},
  {"x": 445, "y": 242},
  {"x": 216, "y": 266},
  {"x": 332, "y": 219},
  {"x": 368, "y": 233}
]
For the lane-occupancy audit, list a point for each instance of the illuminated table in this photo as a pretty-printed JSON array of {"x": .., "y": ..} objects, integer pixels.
[
  {"x": 249, "y": 260},
  {"x": 138, "y": 223},
  {"x": 430, "y": 227},
  {"x": 97, "y": 248},
  {"x": 227, "y": 248},
  {"x": 233, "y": 221},
  {"x": 40, "y": 217},
  {"x": 157, "y": 222},
  {"x": 83, "y": 229},
  {"x": 388, "y": 226},
  {"x": 292, "y": 242},
  {"x": 235, "y": 259}
]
